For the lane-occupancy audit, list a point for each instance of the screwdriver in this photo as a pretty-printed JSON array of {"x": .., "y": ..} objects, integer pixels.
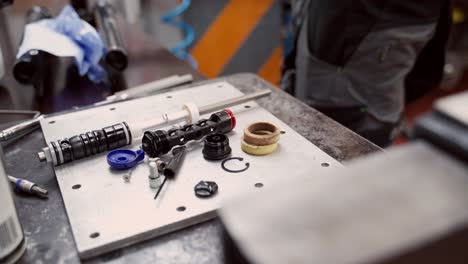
[{"x": 26, "y": 186}]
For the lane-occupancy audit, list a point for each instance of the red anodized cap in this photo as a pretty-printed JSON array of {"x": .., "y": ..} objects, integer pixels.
[{"x": 233, "y": 118}]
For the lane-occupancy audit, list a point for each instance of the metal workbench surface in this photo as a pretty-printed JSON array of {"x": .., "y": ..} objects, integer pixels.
[{"x": 48, "y": 233}]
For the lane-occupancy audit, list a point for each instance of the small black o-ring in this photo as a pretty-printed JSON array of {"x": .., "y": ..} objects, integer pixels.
[{"x": 223, "y": 165}]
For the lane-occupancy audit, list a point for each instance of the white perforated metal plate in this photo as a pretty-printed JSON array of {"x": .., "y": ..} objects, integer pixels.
[{"x": 126, "y": 213}]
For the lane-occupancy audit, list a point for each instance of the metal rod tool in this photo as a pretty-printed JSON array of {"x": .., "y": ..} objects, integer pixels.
[
  {"x": 116, "y": 56},
  {"x": 14, "y": 131},
  {"x": 147, "y": 88}
]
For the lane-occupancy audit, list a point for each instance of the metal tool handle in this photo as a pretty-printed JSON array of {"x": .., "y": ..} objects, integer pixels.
[{"x": 19, "y": 128}]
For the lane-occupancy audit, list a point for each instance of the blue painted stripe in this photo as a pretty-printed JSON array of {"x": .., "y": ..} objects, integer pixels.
[{"x": 17, "y": 183}]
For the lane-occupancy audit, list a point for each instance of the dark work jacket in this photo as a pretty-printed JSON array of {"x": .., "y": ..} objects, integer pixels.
[{"x": 337, "y": 27}]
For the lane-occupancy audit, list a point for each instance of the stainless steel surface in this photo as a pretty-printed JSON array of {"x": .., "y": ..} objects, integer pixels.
[
  {"x": 99, "y": 203},
  {"x": 16, "y": 130}
]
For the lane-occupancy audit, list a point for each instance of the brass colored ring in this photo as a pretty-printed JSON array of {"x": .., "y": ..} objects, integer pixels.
[
  {"x": 261, "y": 134},
  {"x": 258, "y": 150}
]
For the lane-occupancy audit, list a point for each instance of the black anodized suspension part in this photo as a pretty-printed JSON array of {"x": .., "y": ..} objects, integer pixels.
[
  {"x": 160, "y": 142},
  {"x": 90, "y": 143}
]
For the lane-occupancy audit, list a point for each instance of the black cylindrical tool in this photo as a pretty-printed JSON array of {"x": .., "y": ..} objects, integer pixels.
[
  {"x": 116, "y": 56},
  {"x": 160, "y": 142},
  {"x": 28, "y": 66},
  {"x": 216, "y": 147}
]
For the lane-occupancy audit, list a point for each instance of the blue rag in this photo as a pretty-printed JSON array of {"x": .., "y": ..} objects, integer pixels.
[{"x": 69, "y": 24}]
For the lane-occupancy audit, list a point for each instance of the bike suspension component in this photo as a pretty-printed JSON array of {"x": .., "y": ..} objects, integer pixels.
[
  {"x": 216, "y": 147},
  {"x": 160, "y": 142},
  {"x": 205, "y": 189},
  {"x": 172, "y": 168},
  {"x": 190, "y": 114},
  {"x": 87, "y": 144}
]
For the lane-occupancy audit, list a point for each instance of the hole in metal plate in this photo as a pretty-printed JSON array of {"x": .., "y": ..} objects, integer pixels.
[
  {"x": 76, "y": 186},
  {"x": 181, "y": 208}
]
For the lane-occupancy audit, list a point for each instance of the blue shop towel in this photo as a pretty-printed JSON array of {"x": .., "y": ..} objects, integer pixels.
[{"x": 67, "y": 35}]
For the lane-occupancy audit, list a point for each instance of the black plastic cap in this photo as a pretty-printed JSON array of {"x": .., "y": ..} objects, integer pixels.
[{"x": 216, "y": 147}]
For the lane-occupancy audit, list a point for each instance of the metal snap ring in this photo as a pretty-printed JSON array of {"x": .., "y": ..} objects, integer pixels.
[{"x": 223, "y": 165}]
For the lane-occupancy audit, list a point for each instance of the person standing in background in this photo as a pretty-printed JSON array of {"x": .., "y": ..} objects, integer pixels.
[{"x": 357, "y": 61}]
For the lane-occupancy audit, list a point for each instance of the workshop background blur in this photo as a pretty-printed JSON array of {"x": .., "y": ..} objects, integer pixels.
[
  {"x": 224, "y": 37},
  {"x": 252, "y": 45}
]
